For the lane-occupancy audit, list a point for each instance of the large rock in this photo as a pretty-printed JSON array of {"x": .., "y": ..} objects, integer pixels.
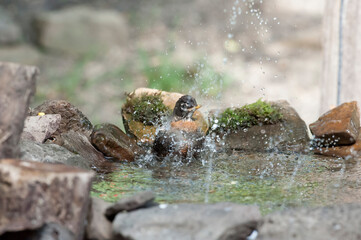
[
  {"x": 33, "y": 194},
  {"x": 339, "y": 126},
  {"x": 114, "y": 143},
  {"x": 10, "y": 32},
  {"x": 98, "y": 226},
  {"x": 81, "y": 30},
  {"x": 289, "y": 135},
  {"x": 52, "y": 153},
  {"x": 72, "y": 119},
  {"x": 17, "y": 86},
  {"x": 331, "y": 223},
  {"x": 139, "y": 200},
  {"x": 146, "y": 134},
  {"x": 40, "y": 128},
  {"x": 224, "y": 221}
]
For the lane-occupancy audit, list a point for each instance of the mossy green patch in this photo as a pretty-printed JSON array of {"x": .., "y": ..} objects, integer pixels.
[
  {"x": 247, "y": 116},
  {"x": 147, "y": 109}
]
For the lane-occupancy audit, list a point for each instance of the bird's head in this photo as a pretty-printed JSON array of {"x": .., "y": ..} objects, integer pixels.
[{"x": 185, "y": 107}]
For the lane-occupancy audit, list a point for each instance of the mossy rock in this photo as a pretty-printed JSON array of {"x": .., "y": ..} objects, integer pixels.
[{"x": 143, "y": 124}]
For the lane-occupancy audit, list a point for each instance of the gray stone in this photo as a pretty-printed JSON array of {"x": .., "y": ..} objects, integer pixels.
[
  {"x": 33, "y": 194},
  {"x": 17, "y": 86},
  {"x": 40, "y": 128},
  {"x": 10, "y": 32},
  {"x": 139, "y": 200},
  {"x": 81, "y": 30},
  {"x": 222, "y": 221},
  {"x": 98, "y": 226},
  {"x": 331, "y": 223},
  {"x": 289, "y": 135},
  {"x": 52, "y": 153}
]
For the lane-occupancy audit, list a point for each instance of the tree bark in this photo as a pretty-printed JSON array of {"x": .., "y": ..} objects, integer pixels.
[{"x": 17, "y": 86}]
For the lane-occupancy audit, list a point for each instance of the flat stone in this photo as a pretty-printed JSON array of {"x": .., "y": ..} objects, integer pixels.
[
  {"x": 98, "y": 226},
  {"x": 33, "y": 194},
  {"x": 224, "y": 221},
  {"x": 52, "y": 153},
  {"x": 17, "y": 86},
  {"x": 331, "y": 223},
  {"x": 40, "y": 128},
  {"x": 139, "y": 200},
  {"x": 346, "y": 151},
  {"x": 289, "y": 135},
  {"x": 339, "y": 126}
]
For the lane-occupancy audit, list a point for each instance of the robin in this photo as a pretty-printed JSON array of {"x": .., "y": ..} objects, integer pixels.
[{"x": 182, "y": 137}]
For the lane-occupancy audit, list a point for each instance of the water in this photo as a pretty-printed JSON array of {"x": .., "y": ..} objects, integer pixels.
[{"x": 293, "y": 180}]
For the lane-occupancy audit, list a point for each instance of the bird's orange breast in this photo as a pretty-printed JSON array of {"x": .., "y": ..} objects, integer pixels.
[{"x": 186, "y": 126}]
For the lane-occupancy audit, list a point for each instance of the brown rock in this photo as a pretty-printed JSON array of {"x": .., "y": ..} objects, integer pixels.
[
  {"x": 289, "y": 135},
  {"x": 339, "y": 126},
  {"x": 147, "y": 133},
  {"x": 114, "y": 143},
  {"x": 40, "y": 128},
  {"x": 71, "y": 117},
  {"x": 17, "y": 86},
  {"x": 98, "y": 226},
  {"x": 347, "y": 151},
  {"x": 33, "y": 194}
]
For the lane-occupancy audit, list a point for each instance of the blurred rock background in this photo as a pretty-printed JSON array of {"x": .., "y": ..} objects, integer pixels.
[{"x": 225, "y": 53}]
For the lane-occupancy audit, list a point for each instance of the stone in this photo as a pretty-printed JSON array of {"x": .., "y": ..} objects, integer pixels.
[
  {"x": 51, "y": 231},
  {"x": 77, "y": 142},
  {"x": 17, "y": 86},
  {"x": 289, "y": 135},
  {"x": 332, "y": 222},
  {"x": 146, "y": 134},
  {"x": 71, "y": 117},
  {"x": 40, "y": 128},
  {"x": 98, "y": 226},
  {"x": 33, "y": 194},
  {"x": 339, "y": 126},
  {"x": 139, "y": 200},
  {"x": 224, "y": 221},
  {"x": 52, "y": 153},
  {"x": 81, "y": 30},
  {"x": 346, "y": 151},
  {"x": 10, "y": 32},
  {"x": 114, "y": 143}
]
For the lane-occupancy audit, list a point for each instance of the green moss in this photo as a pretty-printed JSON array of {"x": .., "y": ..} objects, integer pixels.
[
  {"x": 249, "y": 115},
  {"x": 148, "y": 109}
]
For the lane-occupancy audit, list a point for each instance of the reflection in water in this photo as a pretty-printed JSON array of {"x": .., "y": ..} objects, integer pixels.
[{"x": 275, "y": 182}]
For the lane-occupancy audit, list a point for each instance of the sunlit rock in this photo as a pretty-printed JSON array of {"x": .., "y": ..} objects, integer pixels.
[
  {"x": 188, "y": 221},
  {"x": 40, "y": 128},
  {"x": 33, "y": 194},
  {"x": 289, "y": 134},
  {"x": 114, "y": 143},
  {"x": 333, "y": 222},
  {"x": 145, "y": 132},
  {"x": 17, "y": 86},
  {"x": 339, "y": 126}
]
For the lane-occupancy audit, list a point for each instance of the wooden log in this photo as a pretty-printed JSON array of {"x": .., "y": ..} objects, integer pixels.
[
  {"x": 17, "y": 86},
  {"x": 33, "y": 194}
]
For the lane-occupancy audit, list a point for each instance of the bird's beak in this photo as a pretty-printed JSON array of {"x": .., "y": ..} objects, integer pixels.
[{"x": 198, "y": 106}]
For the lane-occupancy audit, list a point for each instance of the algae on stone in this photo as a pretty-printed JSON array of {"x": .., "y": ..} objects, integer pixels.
[
  {"x": 147, "y": 109},
  {"x": 247, "y": 116}
]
